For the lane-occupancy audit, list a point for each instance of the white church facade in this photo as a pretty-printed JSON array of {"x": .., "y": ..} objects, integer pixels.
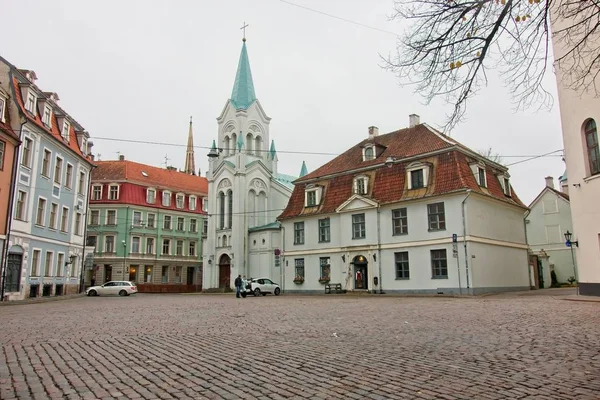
[{"x": 246, "y": 192}]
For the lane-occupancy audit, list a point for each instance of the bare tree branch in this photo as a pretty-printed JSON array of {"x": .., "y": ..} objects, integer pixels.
[{"x": 450, "y": 45}]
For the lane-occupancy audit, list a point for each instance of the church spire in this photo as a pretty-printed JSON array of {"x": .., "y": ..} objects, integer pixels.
[
  {"x": 190, "y": 164},
  {"x": 272, "y": 151},
  {"x": 243, "y": 94},
  {"x": 303, "y": 170}
]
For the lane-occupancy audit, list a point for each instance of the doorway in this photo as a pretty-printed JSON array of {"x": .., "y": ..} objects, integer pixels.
[
  {"x": 133, "y": 270},
  {"x": 13, "y": 271},
  {"x": 361, "y": 277},
  {"x": 225, "y": 271},
  {"x": 107, "y": 273},
  {"x": 190, "y": 275}
]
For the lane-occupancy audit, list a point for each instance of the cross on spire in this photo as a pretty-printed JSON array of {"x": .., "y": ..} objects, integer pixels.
[{"x": 244, "y": 29}]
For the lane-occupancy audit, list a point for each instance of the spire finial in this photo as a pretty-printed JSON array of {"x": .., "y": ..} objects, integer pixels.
[
  {"x": 190, "y": 119},
  {"x": 244, "y": 29}
]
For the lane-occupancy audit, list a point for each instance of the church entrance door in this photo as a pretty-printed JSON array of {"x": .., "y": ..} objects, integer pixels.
[
  {"x": 361, "y": 279},
  {"x": 225, "y": 271}
]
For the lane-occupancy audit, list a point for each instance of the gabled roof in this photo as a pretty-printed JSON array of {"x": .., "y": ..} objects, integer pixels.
[
  {"x": 124, "y": 170},
  {"x": 449, "y": 159},
  {"x": 242, "y": 95},
  {"x": 564, "y": 196}
]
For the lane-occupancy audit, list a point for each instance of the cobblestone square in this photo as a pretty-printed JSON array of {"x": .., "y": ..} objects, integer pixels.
[{"x": 304, "y": 347}]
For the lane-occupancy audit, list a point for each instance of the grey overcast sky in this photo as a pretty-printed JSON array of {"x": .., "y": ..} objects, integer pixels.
[{"x": 133, "y": 69}]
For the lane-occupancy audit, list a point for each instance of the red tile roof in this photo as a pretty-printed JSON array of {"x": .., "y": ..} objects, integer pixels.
[
  {"x": 160, "y": 178},
  {"x": 451, "y": 172},
  {"x": 53, "y": 129}
]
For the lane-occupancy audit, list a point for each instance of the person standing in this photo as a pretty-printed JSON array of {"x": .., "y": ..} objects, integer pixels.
[{"x": 238, "y": 285}]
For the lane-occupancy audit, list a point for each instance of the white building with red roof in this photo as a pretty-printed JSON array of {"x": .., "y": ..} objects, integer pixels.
[{"x": 411, "y": 211}]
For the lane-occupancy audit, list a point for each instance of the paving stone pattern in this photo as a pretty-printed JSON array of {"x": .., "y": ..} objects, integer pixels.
[{"x": 321, "y": 347}]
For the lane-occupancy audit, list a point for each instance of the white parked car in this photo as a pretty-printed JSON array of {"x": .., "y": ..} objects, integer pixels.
[
  {"x": 122, "y": 288},
  {"x": 258, "y": 286}
]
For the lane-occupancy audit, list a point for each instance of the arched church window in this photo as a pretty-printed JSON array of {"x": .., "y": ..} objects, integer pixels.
[
  {"x": 229, "y": 208},
  {"x": 221, "y": 210},
  {"x": 226, "y": 145},
  {"x": 233, "y": 143},
  {"x": 258, "y": 145},
  {"x": 249, "y": 143},
  {"x": 591, "y": 141}
]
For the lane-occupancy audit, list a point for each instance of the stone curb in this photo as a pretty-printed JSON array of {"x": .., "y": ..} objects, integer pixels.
[{"x": 39, "y": 300}]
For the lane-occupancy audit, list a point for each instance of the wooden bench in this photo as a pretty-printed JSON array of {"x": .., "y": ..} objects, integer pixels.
[{"x": 335, "y": 286}]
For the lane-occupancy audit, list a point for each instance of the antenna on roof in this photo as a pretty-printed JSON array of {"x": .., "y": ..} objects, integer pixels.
[{"x": 166, "y": 160}]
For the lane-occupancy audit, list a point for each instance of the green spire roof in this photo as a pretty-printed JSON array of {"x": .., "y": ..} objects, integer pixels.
[
  {"x": 240, "y": 141},
  {"x": 243, "y": 95},
  {"x": 214, "y": 145},
  {"x": 272, "y": 151},
  {"x": 303, "y": 170}
]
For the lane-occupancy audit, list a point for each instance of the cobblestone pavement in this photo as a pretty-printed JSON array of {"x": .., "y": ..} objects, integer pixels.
[{"x": 305, "y": 347}]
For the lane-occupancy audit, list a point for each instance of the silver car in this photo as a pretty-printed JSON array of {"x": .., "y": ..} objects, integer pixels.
[{"x": 112, "y": 288}]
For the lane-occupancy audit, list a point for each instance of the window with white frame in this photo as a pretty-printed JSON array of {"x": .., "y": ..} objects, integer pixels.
[
  {"x": 41, "y": 212},
  {"x": 81, "y": 189},
  {"x": 58, "y": 171},
  {"x": 111, "y": 217},
  {"x": 192, "y": 248},
  {"x": 31, "y": 102},
  {"x": 2, "y": 104},
  {"x": 164, "y": 277},
  {"x": 135, "y": 244},
  {"x": 64, "y": 220},
  {"x": 180, "y": 224},
  {"x": 324, "y": 230},
  {"x": 478, "y": 170},
  {"x": 97, "y": 192},
  {"x": 137, "y": 218},
  {"x": 151, "y": 220},
  {"x": 505, "y": 183},
  {"x": 325, "y": 268},
  {"x": 402, "y": 268},
  {"x": 69, "y": 177},
  {"x": 60, "y": 264},
  {"x": 113, "y": 192},
  {"x": 179, "y": 248},
  {"x": 46, "y": 161},
  {"x": 361, "y": 185},
  {"x": 439, "y": 264},
  {"x": 358, "y": 226},
  {"x": 35, "y": 262},
  {"x": 166, "y": 247},
  {"x": 20, "y": 208},
  {"x": 27, "y": 151},
  {"x": 312, "y": 196},
  {"x": 204, "y": 204},
  {"x": 109, "y": 244},
  {"x": 65, "y": 130},
  {"x": 150, "y": 196},
  {"x": 48, "y": 265},
  {"x": 399, "y": 221},
  {"x": 192, "y": 201},
  {"x": 166, "y": 199},
  {"x": 167, "y": 222},
  {"x": 2, "y": 150},
  {"x": 92, "y": 241},
  {"x": 78, "y": 224},
  {"x": 95, "y": 217},
  {"x": 149, "y": 245},
  {"x": 299, "y": 269},
  {"x": 47, "y": 116},
  {"x": 179, "y": 200},
  {"x": 53, "y": 216},
  {"x": 437, "y": 216},
  {"x": 369, "y": 153},
  {"x": 298, "y": 232},
  {"x": 205, "y": 227},
  {"x": 417, "y": 175},
  {"x": 193, "y": 225}
]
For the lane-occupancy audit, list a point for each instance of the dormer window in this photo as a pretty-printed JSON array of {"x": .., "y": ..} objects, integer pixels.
[
  {"x": 204, "y": 204},
  {"x": 417, "y": 175},
  {"x": 361, "y": 185},
  {"x": 505, "y": 183},
  {"x": 47, "y": 116},
  {"x": 166, "y": 199},
  {"x": 369, "y": 153},
  {"x": 312, "y": 197},
  {"x": 192, "y": 203},
  {"x": 179, "y": 199},
  {"x": 478, "y": 170},
  {"x": 30, "y": 105},
  {"x": 113, "y": 192},
  {"x": 65, "y": 131},
  {"x": 150, "y": 196},
  {"x": 97, "y": 192}
]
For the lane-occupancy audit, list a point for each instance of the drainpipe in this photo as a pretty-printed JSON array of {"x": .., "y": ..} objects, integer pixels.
[
  {"x": 87, "y": 210},
  {"x": 379, "y": 248},
  {"x": 465, "y": 238},
  {"x": 13, "y": 185},
  {"x": 527, "y": 243},
  {"x": 283, "y": 259}
]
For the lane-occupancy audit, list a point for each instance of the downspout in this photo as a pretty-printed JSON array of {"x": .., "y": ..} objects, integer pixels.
[
  {"x": 13, "y": 185},
  {"x": 527, "y": 243},
  {"x": 283, "y": 260},
  {"x": 85, "y": 220},
  {"x": 465, "y": 238},
  {"x": 379, "y": 248}
]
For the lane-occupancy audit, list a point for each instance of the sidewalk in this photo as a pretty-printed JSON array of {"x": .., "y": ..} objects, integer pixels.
[{"x": 41, "y": 299}]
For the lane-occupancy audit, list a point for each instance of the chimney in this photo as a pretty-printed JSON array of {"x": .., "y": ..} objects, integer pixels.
[
  {"x": 373, "y": 132},
  {"x": 413, "y": 120},
  {"x": 171, "y": 168},
  {"x": 550, "y": 182},
  {"x": 121, "y": 158}
]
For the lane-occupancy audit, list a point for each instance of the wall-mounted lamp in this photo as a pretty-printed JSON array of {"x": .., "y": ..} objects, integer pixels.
[
  {"x": 389, "y": 162},
  {"x": 569, "y": 243},
  {"x": 343, "y": 257},
  {"x": 577, "y": 185},
  {"x": 209, "y": 261},
  {"x": 374, "y": 257},
  {"x": 71, "y": 260}
]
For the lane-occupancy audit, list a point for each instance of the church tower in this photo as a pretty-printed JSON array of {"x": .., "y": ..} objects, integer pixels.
[
  {"x": 246, "y": 192},
  {"x": 190, "y": 164}
]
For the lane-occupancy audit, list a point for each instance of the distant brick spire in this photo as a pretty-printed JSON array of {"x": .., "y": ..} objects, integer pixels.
[{"x": 190, "y": 164}]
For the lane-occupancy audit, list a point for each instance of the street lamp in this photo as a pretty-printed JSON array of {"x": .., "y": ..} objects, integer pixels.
[
  {"x": 125, "y": 257},
  {"x": 570, "y": 244}
]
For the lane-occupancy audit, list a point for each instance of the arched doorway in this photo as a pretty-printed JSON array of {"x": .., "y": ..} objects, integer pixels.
[
  {"x": 361, "y": 278},
  {"x": 224, "y": 271},
  {"x": 13, "y": 269}
]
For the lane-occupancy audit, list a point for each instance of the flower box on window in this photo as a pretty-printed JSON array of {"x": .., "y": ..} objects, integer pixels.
[
  {"x": 324, "y": 280},
  {"x": 298, "y": 280}
]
